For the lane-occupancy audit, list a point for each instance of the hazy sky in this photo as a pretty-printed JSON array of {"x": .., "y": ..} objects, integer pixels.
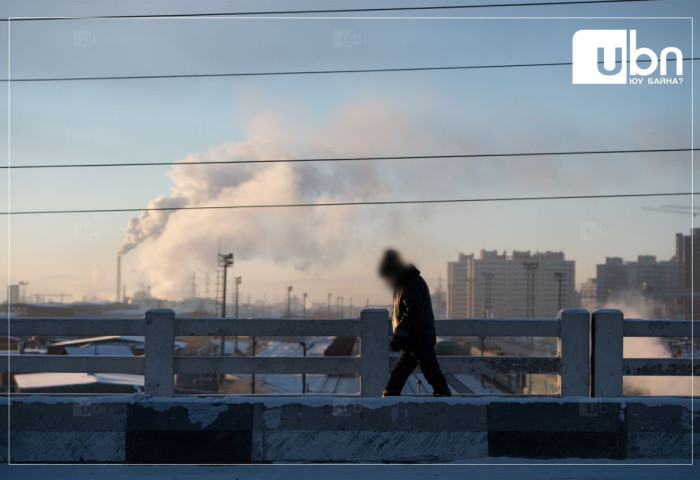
[{"x": 370, "y": 114}]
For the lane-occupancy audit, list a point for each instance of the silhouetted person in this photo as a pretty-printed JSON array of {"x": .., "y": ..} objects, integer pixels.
[{"x": 414, "y": 326}]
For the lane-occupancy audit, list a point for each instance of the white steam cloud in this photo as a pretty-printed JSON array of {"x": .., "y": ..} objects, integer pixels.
[
  {"x": 170, "y": 244},
  {"x": 642, "y": 347}
]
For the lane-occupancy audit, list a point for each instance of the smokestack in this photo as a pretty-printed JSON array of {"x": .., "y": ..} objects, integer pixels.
[{"x": 119, "y": 277}]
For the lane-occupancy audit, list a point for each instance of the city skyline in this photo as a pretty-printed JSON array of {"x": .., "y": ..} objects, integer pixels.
[
  {"x": 331, "y": 116},
  {"x": 204, "y": 287}
]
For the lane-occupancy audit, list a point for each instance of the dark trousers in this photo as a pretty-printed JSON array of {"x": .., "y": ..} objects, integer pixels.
[{"x": 411, "y": 357}]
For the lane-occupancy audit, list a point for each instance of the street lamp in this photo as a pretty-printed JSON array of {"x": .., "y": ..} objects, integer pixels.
[
  {"x": 225, "y": 262},
  {"x": 238, "y": 282},
  {"x": 305, "y": 346}
]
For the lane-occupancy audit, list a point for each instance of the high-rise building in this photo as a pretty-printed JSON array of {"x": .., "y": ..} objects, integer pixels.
[
  {"x": 516, "y": 286},
  {"x": 647, "y": 278},
  {"x": 611, "y": 278},
  {"x": 688, "y": 267},
  {"x": 458, "y": 291},
  {"x": 653, "y": 278}
]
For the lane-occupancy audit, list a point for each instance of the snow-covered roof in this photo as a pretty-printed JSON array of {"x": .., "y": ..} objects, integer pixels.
[
  {"x": 119, "y": 379},
  {"x": 27, "y": 381},
  {"x": 43, "y": 380},
  {"x": 108, "y": 338},
  {"x": 100, "y": 349}
]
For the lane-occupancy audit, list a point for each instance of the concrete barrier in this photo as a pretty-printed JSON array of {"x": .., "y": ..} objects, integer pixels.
[{"x": 142, "y": 429}]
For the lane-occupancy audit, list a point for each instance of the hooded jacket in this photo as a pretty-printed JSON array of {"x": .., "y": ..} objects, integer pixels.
[{"x": 413, "y": 311}]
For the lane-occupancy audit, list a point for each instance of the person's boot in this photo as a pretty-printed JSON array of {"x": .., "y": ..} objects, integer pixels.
[
  {"x": 446, "y": 393},
  {"x": 390, "y": 393}
]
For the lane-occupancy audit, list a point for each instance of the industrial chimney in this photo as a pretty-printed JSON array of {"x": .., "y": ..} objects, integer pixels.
[{"x": 119, "y": 277}]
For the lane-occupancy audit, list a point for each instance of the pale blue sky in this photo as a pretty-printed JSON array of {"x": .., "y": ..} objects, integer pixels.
[{"x": 485, "y": 111}]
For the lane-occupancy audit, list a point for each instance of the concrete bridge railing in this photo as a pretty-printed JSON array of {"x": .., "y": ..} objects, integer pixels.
[
  {"x": 160, "y": 327},
  {"x": 138, "y": 429},
  {"x": 608, "y": 365}
]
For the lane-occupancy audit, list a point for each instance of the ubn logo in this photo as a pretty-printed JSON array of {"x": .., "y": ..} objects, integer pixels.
[{"x": 601, "y": 56}]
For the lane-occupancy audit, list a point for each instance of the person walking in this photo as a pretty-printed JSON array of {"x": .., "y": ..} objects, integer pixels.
[{"x": 413, "y": 324}]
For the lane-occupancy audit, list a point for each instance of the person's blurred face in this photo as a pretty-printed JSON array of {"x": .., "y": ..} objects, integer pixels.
[{"x": 391, "y": 279}]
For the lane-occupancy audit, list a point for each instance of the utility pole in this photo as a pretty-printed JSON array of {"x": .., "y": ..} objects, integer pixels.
[
  {"x": 225, "y": 262},
  {"x": 329, "y": 303},
  {"x": 237, "y": 283},
  {"x": 559, "y": 277},
  {"x": 342, "y": 308},
  {"x": 530, "y": 268},
  {"x": 350, "y": 308},
  {"x": 337, "y": 305},
  {"x": 305, "y": 297},
  {"x": 305, "y": 346},
  {"x": 289, "y": 301},
  {"x": 252, "y": 383},
  {"x": 488, "y": 278},
  {"x": 471, "y": 298}
]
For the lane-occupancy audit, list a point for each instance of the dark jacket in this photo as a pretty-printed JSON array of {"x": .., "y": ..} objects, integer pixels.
[{"x": 413, "y": 311}]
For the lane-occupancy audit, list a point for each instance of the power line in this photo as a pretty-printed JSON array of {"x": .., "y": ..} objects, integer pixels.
[
  {"x": 350, "y": 159},
  {"x": 335, "y": 10},
  {"x": 298, "y": 72},
  {"x": 341, "y": 204},
  {"x": 306, "y": 72}
]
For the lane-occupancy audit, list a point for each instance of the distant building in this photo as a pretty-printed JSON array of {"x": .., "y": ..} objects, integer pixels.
[
  {"x": 78, "y": 309},
  {"x": 13, "y": 294},
  {"x": 517, "y": 286},
  {"x": 655, "y": 283},
  {"x": 652, "y": 278},
  {"x": 611, "y": 278},
  {"x": 589, "y": 294},
  {"x": 688, "y": 267},
  {"x": 457, "y": 290}
]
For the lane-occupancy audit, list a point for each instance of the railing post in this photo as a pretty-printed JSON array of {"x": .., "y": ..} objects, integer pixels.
[
  {"x": 374, "y": 351},
  {"x": 607, "y": 353},
  {"x": 160, "y": 352},
  {"x": 573, "y": 349}
]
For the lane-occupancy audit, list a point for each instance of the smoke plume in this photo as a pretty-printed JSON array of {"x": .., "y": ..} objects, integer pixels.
[
  {"x": 170, "y": 244},
  {"x": 651, "y": 347}
]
